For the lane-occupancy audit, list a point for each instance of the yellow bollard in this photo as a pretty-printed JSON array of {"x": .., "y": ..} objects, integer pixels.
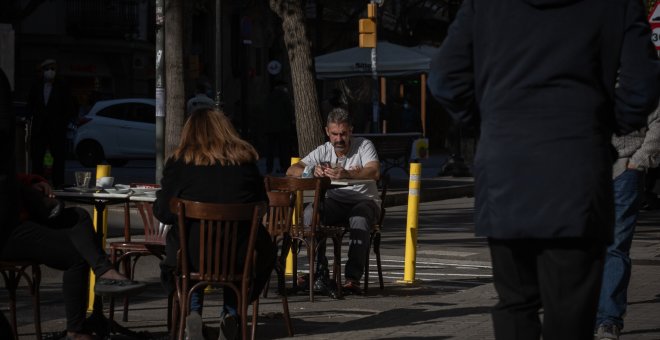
[
  {"x": 410, "y": 259},
  {"x": 102, "y": 170},
  {"x": 289, "y": 258}
]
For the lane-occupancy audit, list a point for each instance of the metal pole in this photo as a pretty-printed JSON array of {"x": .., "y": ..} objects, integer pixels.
[
  {"x": 374, "y": 77},
  {"x": 374, "y": 91},
  {"x": 160, "y": 91},
  {"x": 218, "y": 54}
]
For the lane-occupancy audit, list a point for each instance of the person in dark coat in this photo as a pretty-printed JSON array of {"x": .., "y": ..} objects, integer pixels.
[
  {"x": 52, "y": 108},
  {"x": 548, "y": 81},
  {"x": 212, "y": 164}
]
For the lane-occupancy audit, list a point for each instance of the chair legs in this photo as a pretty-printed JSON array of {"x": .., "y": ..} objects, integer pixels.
[
  {"x": 375, "y": 243},
  {"x": 129, "y": 272},
  {"x": 311, "y": 254},
  {"x": 12, "y": 273},
  {"x": 336, "y": 263},
  {"x": 280, "y": 268},
  {"x": 123, "y": 257},
  {"x": 255, "y": 314}
]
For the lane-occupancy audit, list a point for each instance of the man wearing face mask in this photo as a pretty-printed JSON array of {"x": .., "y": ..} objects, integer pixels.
[{"x": 52, "y": 108}]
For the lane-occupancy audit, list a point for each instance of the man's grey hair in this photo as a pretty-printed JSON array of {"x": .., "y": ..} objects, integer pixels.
[{"x": 339, "y": 116}]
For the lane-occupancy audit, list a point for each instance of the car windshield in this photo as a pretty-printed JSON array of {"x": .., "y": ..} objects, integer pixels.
[{"x": 135, "y": 112}]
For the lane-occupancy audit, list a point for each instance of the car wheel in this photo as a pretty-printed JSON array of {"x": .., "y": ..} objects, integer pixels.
[
  {"x": 90, "y": 153},
  {"x": 118, "y": 162}
]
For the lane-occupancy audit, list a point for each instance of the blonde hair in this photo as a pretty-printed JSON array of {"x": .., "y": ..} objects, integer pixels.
[{"x": 208, "y": 138}]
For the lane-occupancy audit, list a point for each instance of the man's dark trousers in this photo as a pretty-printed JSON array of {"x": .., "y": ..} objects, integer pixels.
[{"x": 561, "y": 276}]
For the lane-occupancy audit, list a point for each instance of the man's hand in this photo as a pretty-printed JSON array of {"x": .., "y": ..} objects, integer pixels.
[
  {"x": 54, "y": 206},
  {"x": 632, "y": 166},
  {"x": 320, "y": 170},
  {"x": 335, "y": 173},
  {"x": 44, "y": 188}
]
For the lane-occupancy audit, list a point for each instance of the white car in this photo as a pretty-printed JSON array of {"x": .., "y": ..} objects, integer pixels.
[{"x": 117, "y": 130}]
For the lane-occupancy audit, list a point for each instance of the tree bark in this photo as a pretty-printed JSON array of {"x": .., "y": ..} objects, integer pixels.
[
  {"x": 308, "y": 118},
  {"x": 174, "y": 88}
]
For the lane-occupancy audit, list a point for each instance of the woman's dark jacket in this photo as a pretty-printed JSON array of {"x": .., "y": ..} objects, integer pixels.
[{"x": 216, "y": 184}]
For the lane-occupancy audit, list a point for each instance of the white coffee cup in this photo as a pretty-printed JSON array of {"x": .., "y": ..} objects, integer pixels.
[{"x": 105, "y": 182}]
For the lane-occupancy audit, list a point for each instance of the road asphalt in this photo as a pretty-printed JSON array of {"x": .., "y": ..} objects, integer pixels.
[{"x": 450, "y": 297}]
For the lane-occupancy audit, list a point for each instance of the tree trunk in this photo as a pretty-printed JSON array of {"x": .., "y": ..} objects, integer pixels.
[
  {"x": 175, "y": 102},
  {"x": 308, "y": 119}
]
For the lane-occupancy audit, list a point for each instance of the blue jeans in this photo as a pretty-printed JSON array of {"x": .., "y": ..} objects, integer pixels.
[
  {"x": 628, "y": 189},
  {"x": 230, "y": 301}
]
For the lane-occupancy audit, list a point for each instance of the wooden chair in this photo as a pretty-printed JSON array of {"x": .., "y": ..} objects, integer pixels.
[
  {"x": 374, "y": 239},
  {"x": 309, "y": 235},
  {"x": 278, "y": 222},
  {"x": 11, "y": 272},
  {"x": 219, "y": 258},
  {"x": 152, "y": 244}
]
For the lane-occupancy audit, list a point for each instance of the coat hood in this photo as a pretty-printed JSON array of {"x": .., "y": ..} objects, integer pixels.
[{"x": 550, "y": 3}]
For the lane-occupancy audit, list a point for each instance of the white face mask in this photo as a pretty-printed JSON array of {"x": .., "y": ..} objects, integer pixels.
[{"x": 49, "y": 74}]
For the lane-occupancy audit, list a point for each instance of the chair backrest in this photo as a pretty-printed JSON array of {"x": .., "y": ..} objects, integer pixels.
[
  {"x": 293, "y": 185},
  {"x": 154, "y": 231},
  {"x": 280, "y": 212},
  {"x": 383, "y": 183},
  {"x": 219, "y": 250}
]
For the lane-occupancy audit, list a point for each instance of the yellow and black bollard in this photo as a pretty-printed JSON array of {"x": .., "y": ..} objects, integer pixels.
[
  {"x": 102, "y": 170},
  {"x": 297, "y": 215}
]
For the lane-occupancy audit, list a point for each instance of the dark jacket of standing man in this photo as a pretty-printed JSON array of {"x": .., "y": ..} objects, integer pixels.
[
  {"x": 549, "y": 81},
  {"x": 52, "y": 108}
]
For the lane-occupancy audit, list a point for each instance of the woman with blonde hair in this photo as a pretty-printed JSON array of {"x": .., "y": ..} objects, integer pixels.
[{"x": 212, "y": 164}]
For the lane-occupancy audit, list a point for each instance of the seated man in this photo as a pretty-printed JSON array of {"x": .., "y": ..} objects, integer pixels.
[{"x": 357, "y": 206}]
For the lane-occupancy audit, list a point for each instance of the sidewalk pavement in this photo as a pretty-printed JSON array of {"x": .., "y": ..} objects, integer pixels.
[{"x": 450, "y": 299}]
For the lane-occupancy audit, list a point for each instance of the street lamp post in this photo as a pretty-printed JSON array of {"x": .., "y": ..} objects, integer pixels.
[
  {"x": 160, "y": 91},
  {"x": 218, "y": 54},
  {"x": 369, "y": 39},
  {"x": 374, "y": 91}
]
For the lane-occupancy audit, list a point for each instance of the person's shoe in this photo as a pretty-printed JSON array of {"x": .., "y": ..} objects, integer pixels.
[
  {"x": 109, "y": 287},
  {"x": 607, "y": 331},
  {"x": 351, "y": 287},
  {"x": 228, "y": 327},
  {"x": 194, "y": 327},
  {"x": 320, "y": 286}
]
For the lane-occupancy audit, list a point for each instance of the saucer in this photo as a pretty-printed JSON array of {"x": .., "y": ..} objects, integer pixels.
[
  {"x": 76, "y": 189},
  {"x": 117, "y": 190}
]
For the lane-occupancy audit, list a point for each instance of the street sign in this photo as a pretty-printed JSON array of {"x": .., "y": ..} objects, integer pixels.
[
  {"x": 655, "y": 35},
  {"x": 654, "y": 20},
  {"x": 654, "y": 15}
]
